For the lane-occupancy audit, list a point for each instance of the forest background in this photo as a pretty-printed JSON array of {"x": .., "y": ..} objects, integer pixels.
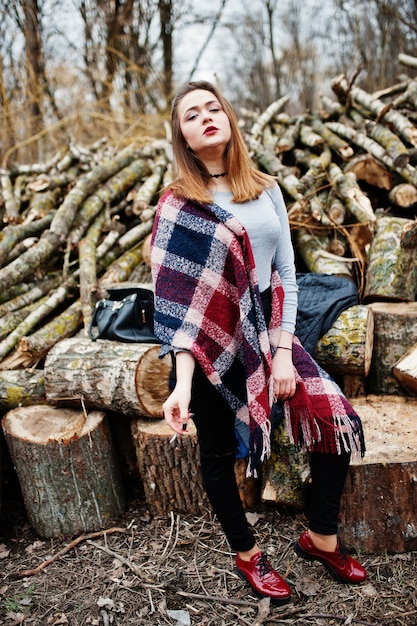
[{"x": 75, "y": 71}]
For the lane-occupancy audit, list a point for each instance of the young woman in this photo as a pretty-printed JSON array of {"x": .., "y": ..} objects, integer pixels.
[{"x": 225, "y": 307}]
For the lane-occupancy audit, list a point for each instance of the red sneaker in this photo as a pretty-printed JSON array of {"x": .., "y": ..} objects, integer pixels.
[
  {"x": 340, "y": 565},
  {"x": 263, "y": 579}
]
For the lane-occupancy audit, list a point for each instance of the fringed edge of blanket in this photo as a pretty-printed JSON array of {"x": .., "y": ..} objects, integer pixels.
[
  {"x": 332, "y": 434},
  {"x": 259, "y": 448}
]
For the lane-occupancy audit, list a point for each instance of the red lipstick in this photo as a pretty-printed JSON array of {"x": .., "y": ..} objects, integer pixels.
[{"x": 210, "y": 130}]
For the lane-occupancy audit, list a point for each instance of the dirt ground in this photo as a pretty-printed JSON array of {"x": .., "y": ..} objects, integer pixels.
[{"x": 179, "y": 570}]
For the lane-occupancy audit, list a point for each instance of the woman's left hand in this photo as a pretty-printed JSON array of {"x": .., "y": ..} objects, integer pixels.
[{"x": 283, "y": 375}]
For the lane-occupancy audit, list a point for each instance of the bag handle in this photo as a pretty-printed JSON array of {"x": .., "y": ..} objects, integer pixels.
[{"x": 100, "y": 304}]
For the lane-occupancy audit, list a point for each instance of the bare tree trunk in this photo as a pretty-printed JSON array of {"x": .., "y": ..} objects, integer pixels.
[
  {"x": 7, "y": 131},
  {"x": 33, "y": 68},
  {"x": 115, "y": 24},
  {"x": 270, "y": 7},
  {"x": 167, "y": 27}
]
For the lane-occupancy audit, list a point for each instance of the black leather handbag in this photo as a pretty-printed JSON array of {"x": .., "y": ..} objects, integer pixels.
[{"x": 126, "y": 315}]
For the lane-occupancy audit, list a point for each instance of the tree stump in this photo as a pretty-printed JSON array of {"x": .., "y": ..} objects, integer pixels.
[
  {"x": 347, "y": 347},
  {"x": 171, "y": 473},
  {"x": 353, "y": 386},
  {"x": 392, "y": 270},
  {"x": 66, "y": 468},
  {"x": 379, "y": 503},
  {"x": 126, "y": 378},
  {"x": 405, "y": 370},
  {"x": 395, "y": 332}
]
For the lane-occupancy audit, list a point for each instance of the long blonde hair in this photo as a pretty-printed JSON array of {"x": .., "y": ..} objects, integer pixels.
[{"x": 193, "y": 178}]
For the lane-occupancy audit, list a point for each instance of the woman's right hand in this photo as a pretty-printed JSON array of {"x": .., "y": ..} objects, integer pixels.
[{"x": 176, "y": 408}]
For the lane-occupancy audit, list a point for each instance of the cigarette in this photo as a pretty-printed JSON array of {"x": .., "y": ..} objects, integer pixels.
[{"x": 175, "y": 435}]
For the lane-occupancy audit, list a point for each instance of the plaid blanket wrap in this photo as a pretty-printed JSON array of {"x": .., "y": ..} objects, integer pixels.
[{"x": 207, "y": 300}]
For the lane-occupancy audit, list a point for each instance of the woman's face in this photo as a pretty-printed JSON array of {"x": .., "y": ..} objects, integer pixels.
[{"x": 204, "y": 124}]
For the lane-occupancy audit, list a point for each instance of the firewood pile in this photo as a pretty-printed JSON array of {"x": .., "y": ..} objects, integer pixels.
[
  {"x": 77, "y": 223},
  {"x": 350, "y": 179},
  {"x": 80, "y": 223}
]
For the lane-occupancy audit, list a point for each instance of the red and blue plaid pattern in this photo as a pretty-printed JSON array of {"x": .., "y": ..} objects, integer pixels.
[{"x": 207, "y": 301}]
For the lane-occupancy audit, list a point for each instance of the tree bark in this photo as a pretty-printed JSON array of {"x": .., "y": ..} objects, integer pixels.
[
  {"x": 38, "y": 314},
  {"x": 309, "y": 137},
  {"x": 115, "y": 188},
  {"x": 392, "y": 269},
  {"x": 392, "y": 144},
  {"x": 171, "y": 471},
  {"x": 27, "y": 263},
  {"x": 379, "y": 503},
  {"x": 34, "y": 347},
  {"x": 341, "y": 147},
  {"x": 348, "y": 189},
  {"x": 377, "y": 108},
  {"x": 150, "y": 187},
  {"x": 12, "y": 234},
  {"x": 166, "y": 18},
  {"x": 87, "y": 249},
  {"x": 315, "y": 175},
  {"x": 347, "y": 347},
  {"x": 314, "y": 253},
  {"x": 285, "y": 473},
  {"x": 33, "y": 67},
  {"x": 66, "y": 467},
  {"x": 21, "y": 388},
  {"x": 109, "y": 375},
  {"x": 395, "y": 332},
  {"x": 269, "y": 113}
]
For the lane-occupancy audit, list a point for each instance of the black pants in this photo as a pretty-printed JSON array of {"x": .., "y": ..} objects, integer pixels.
[{"x": 215, "y": 422}]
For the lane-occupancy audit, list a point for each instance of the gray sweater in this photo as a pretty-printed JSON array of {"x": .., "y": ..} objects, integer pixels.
[{"x": 266, "y": 222}]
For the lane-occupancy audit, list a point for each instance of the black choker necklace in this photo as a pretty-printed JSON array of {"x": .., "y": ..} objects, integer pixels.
[{"x": 218, "y": 175}]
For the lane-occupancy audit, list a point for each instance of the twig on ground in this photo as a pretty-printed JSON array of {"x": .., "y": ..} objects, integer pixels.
[
  {"x": 340, "y": 618},
  {"x": 134, "y": 568},
  {"x": 241, "y": 619},
  {"x": 202, "y": 596},
  {"x": 70, "y": 546},
  {"x": 165, "y": 552}
]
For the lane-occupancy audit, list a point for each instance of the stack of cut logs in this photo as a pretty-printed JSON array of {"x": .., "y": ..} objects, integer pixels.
[{"x": 80, "y": 223}]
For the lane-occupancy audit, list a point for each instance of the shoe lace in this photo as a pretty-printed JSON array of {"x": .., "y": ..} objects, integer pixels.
[
  {"x": 264, "y": 566},
  {"x": 342, "y": 552}
]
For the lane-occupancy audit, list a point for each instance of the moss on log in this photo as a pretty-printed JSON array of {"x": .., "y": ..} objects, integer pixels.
[
  {"x": 21, "y": 388},
  {"x": 285, "y": 473},
  {"x": 392, "y": 268},
  {"x": 347, "y": 347}
]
